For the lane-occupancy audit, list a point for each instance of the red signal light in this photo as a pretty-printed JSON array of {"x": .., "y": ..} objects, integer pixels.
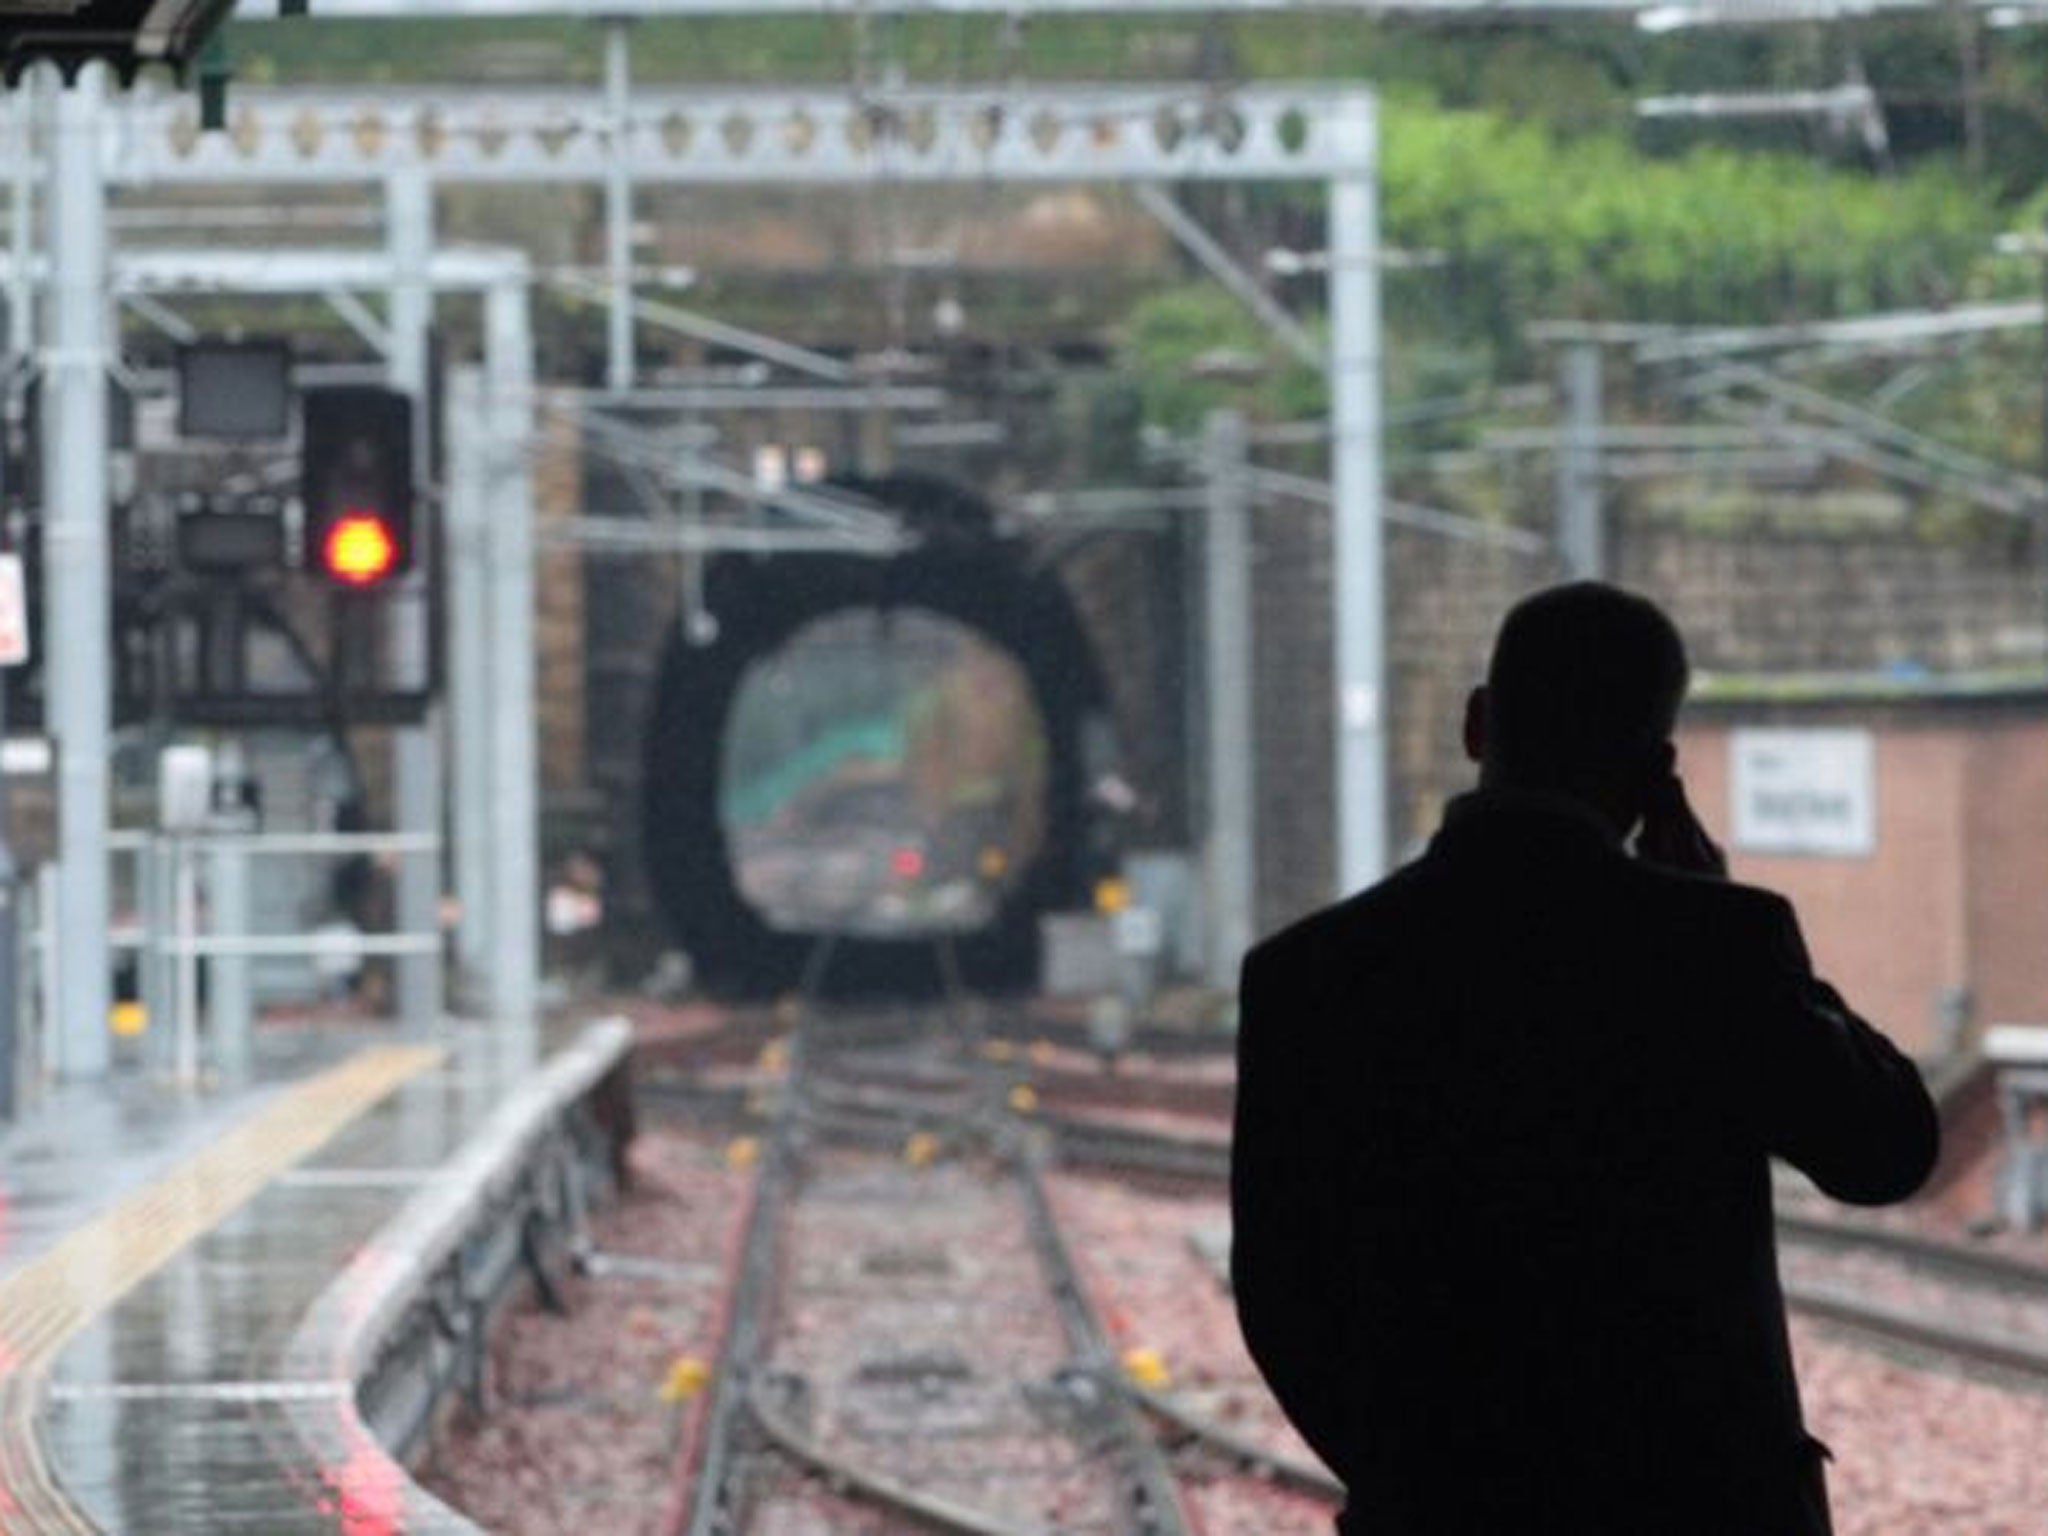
[
  {"x": 359, "y": 549},
  {"x": 906, "y": 863}
]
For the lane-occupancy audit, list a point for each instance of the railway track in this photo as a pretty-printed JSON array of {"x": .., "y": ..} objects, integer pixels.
[
  {"x": 989, "y": 1400},
  {"x": 1979, "y": 1310}
]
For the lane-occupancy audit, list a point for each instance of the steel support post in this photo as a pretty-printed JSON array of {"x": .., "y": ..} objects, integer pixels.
[
  {"x": 515, "y": 810},
  {"x": 1227, "y": 652},
  {"x": 156, "y": 966},
  {"x": 469, "y": 684},
  {"x": 1356, "y": 473},
  {"x": 1581, "y": 537},
  {"x": 618, "y": 202},
  {"x": 76, "y": 642},
  {"x": 185, "y": 967},
  {"x": 416, "y": 754},
  {"x": 230, "y": 1004}
]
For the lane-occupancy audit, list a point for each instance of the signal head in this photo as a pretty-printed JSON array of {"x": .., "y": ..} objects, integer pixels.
[{"x": 359, "y": 549}]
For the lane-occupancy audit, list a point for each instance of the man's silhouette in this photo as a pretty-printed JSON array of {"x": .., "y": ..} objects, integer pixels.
[{"x": 1500, "y": 1183}]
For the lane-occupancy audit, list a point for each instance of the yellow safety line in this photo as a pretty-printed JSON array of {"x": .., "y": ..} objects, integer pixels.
[{"x": 53, "y": 1297}]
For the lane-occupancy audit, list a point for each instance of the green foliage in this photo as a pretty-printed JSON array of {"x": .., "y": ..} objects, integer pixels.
[
  {"x": 1537, "y": 225},
  {"x": 1193, "y": 348}
]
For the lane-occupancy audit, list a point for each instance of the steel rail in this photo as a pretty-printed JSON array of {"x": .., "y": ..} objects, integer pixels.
[
  {"x": 1249, "y": 1457},
  {"x": 1154, "y": 1488},
  {"x": 2020, "y": 1354},
  {"x": 2003, "y": 1351},
  {"x": 928, "y": 1510},
  {"x": 1085, "y": 1143},
  {"x": 1995, "y": 1270},
  {"x": 711, "y": 1507}
]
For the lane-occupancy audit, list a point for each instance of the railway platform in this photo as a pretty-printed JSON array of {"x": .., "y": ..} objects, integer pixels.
[{"x": 237, "y": 1312}]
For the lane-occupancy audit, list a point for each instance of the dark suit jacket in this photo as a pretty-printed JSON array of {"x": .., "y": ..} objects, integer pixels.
[{"x": 1501, "y": 1192}]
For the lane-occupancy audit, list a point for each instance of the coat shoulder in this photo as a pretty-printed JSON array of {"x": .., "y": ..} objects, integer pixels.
[
  {"x": 1331, "y": 928},
  {"x": 1707, "y": 904}
]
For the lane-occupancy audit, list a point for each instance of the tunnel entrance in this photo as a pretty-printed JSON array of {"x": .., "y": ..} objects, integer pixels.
[{"x": 871, "y": 757}]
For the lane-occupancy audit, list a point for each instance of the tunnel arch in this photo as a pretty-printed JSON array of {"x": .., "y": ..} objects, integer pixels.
[{"x": 963, "y": 570}]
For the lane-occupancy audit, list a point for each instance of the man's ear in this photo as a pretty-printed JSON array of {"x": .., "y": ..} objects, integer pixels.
[{"x": 1475, "y": 723}]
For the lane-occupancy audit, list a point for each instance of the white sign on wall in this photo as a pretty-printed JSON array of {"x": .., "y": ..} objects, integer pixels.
[{"x": 1804, "y": 791}]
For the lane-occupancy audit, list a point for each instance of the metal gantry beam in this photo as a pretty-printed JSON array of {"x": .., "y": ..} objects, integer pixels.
[
  {"x": 1655, "y": 343},
  {"x": 1846, "y": 102},
  {"x": 1669, "y": 15},
  {"x": 1167, "y": 132},
  {"x": 202, "y": 269}
]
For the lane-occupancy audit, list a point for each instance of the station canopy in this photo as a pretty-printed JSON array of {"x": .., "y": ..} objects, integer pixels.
[{"x": 123, "y": 34}]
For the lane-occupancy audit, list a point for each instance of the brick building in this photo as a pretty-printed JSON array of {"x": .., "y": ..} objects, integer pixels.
[{"x": 1931, "y": 914}]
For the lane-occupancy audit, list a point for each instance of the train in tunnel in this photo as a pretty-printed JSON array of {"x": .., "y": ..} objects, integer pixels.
[{"x": 874, "y": 775}]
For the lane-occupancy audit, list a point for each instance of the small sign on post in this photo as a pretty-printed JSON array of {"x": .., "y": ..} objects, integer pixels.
[{"x": 14, "y": 649}]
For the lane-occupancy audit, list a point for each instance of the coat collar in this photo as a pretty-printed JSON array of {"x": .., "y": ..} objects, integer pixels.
[{"x": 1520, "y": 815}]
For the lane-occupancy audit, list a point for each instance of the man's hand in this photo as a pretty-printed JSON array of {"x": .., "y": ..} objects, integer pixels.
[{"x": 1672, "y": 836}]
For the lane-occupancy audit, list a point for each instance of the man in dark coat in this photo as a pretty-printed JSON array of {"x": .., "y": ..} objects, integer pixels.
[{"x": 1500, "y": 1183}]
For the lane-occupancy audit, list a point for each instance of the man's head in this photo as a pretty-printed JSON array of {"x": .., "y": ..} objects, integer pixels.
[{"x": 1580, "y": 698}]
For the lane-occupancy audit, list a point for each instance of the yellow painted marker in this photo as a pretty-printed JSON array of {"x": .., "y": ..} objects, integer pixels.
[
  {"x": 1147, "y": 1367},
  {"x": 687, "y": 1376}
]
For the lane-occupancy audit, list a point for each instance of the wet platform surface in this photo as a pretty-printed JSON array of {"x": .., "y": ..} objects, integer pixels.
[{"x": 162, "y": 1254}]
